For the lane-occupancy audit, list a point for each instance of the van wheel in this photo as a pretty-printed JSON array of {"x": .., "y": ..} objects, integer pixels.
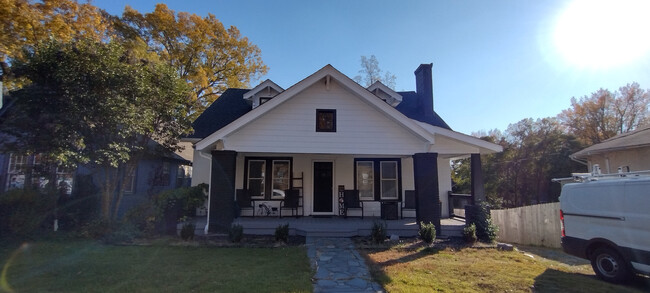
[{"x": 610, "y": 266}]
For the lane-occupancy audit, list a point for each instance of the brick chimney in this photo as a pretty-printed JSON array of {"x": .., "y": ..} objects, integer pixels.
[{"x": 424, "y": 89}]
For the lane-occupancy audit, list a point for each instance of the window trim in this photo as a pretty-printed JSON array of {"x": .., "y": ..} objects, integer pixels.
[
  {"x": 326, "y": 111},
  {"x": 356, "y": 176},
  {"x": 132, "y": 177},
  {"x": 268, "y": 169},
  {"x": 377, "y": 179},
  {"x": 264, "y": 100}
]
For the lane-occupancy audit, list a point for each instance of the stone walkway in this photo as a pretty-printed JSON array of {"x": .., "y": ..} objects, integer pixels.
[{"x": 338, "y": 266}]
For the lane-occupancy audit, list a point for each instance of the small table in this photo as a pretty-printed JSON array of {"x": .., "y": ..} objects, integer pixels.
[{"x": 389, "y": 210}]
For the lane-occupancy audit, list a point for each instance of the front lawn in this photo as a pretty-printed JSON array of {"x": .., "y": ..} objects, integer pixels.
[
  {"x": 85, "y": 266},
  {"x": 413, "y": 268}
]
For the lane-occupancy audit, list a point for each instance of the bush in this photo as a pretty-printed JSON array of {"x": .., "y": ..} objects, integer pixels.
[
  {"x": 144, "y": 217},
  {"x": 187, "y": 232},
  {"x": 485, "y": 230},
  {"x": 469, "y": 233},
  {"x": 96, "y": 229},
  {"x": 282, "y": 233},
  {"x": 187, "y": 199},
  {"x": 122, "y": 233},
  {"x": 24, "y": 212},
  {"x": 236, "y": 233},
  {"x": 378, "y": 233},
  {"x": 427, "y": 232}
]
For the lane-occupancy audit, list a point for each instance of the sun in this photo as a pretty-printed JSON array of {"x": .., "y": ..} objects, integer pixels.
[{"x": 602, "y": 33}]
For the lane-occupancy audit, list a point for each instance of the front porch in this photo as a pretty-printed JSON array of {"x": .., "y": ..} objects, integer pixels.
[{"x": 337, "y": 226}]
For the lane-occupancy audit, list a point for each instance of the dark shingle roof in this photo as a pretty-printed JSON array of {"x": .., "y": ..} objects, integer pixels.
[
  {"x": 412, "y": 109},
  {"x": 226, "y": 109}
]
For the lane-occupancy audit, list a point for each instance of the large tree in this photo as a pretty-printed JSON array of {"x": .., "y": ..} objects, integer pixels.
[
  {"x": 25, "y": 23},
  {"x": 605, "y": 114},
  {"x": 371, "y": 73},
  {"x": 209, "y": 56},
  {"x": 96, "y": 104}
]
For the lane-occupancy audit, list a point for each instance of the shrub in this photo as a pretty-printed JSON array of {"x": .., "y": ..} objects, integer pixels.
[
  {"x": 144, "y": 217},
  {"x": 378, "y": 232},
  {"x": 469, "y": 233},
  {"x": 96, "y": 229},
  {"x": 187, "y": 199},
  {"x": 122, "y": 233},
  {"x": 23, "y": 212},
  {"x": 427, "y": 232},
  {"x": 187, "y": 232},
  {"x": 236, "y": 233},
  {"x": 282, "y": 233},
  {"x": 485, "y": 230}
]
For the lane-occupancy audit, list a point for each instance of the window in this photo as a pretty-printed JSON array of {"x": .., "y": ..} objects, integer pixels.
[
  {"x": 162, "y": 175},
  {"x": 22, "y": 167},
  {"x": 183, "y": 176},
  {"x": 256, "y": 171},
  {"x": 264, "y": 100},
  {"x": 256, "y": 175},
  {"x": 389, "y": 181},
  {"x": 325, "y": 120},
  {"x": 378, "y": 179},
  {"x": 366, "y": 180},
  {"x": 16, "y": 171},
  {"x": 129, "y": 182}
]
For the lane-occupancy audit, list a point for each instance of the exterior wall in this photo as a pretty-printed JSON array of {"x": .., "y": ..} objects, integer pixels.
[
  {"x": 201, "y": 168},
  {"x": 638, "y": 159},
  {"x": 291, "y": 127},
  {"x": 444, "y": 184}
]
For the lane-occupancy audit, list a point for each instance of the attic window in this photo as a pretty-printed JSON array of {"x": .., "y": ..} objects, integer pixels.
[
  {"x": 264, "y": 100},
  {"x": 325, "y": 120}
]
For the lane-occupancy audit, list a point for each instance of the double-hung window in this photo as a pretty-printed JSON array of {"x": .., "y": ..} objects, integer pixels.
[
  {"x": 276, "y": 170},
  {"x": 378, "y": 179}
]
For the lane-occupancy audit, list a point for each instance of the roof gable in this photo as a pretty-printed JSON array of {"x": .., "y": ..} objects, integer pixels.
[
  {"x": 385, "y": 93},
  {"x": 633, "y": 139},
  {"x": 325, "y": 75}
]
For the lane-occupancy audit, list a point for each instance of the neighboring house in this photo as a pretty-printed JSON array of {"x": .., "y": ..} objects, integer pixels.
[
  {"x": 157, "y": 171},
  {"x": 324, "y": 134},
  {"x": 627, "y": 152}
]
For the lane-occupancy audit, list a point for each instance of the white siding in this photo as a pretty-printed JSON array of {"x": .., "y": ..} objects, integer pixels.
[
  {"x": 291, "y": 127},
  {"x": 201, "y": 168},
  {"x": 444, "y": 184}
]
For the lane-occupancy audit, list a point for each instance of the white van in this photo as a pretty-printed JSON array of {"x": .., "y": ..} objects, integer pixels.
[{"x": 606, "y": 219}]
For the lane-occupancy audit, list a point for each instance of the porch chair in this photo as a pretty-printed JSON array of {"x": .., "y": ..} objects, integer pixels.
[
  {"x": 244, "y": 201},
  {"x": 291, "y": 201},
  {"x": 351, "y": 201},
  {"x": 409, "y": 201}
]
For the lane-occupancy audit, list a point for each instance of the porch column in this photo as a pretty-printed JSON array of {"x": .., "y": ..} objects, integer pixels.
[
  {"x": 478, "y": 190},
  {"x": 425, "y": 171},
  {"x": 222, "y": 190}
]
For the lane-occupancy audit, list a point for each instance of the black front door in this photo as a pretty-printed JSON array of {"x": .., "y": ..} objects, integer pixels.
[{"x": 323, "y": 182}]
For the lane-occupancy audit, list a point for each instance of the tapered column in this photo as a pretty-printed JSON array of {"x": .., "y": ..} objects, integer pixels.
[
  {"x": 222, "y": 190},
  {"x": 425, "y": 170}
]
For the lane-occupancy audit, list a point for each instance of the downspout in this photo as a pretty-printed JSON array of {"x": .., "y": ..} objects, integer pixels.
[{"x": 207, "y": 222}]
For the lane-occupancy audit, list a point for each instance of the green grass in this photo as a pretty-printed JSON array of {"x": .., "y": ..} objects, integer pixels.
[
  {"x": 482, "y": 270},
  {"x": 84, "y": 266}
]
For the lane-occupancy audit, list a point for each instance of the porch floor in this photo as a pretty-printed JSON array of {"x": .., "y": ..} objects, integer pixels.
[{"x": 338, "y": 226}]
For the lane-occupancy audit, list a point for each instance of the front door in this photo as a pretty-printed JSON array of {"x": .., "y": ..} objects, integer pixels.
[{"x": 323, "y": 185}]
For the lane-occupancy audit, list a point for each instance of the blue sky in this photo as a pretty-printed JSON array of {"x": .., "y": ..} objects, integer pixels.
[{"x": 494, "y": 62}]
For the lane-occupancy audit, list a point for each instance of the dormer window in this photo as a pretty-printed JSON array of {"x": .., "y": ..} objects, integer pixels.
[
  {"x": 325, "y": 120},
  {"x": 264, "y": 100},
  {"x": 262, "y": 93}
]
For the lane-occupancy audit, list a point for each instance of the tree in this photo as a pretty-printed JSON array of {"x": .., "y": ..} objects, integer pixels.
[
  {"x": 25, "y": 23},
  {"x": 210, "y": 57},
  {"x": 605, "y": 114},
  {"x": 96, "y": 104},
  {"x": 371, "y": 73}
]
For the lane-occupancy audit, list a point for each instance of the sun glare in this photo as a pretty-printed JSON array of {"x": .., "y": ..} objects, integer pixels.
[{"x": 602, "y": 33}]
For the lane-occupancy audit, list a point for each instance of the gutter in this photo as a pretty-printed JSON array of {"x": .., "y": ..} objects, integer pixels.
[{"x": 573, "y": 158}]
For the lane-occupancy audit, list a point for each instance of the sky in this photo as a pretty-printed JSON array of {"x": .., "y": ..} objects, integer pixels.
[{"x": 494, "y": 62}]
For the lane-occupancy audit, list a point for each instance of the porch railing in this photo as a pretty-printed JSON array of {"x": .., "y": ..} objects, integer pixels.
[{"x": 457, "y": 203}]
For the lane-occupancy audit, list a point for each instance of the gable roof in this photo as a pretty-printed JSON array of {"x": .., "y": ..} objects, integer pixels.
[
  {"x": 326, "y": 73},
  {"x": 411, "y": 107},
  {"x": 633, "y": 139},
  {"x": 264, "y": 85},
  {"x": 226, "y": 109}
]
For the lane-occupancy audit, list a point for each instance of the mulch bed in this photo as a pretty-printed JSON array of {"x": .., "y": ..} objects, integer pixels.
[{"x": 414, "y": 243}]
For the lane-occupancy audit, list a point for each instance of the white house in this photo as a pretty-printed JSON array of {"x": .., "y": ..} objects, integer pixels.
[{"x": 324, "y": 134}]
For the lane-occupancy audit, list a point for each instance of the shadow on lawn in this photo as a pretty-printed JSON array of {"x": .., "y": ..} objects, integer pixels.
[{"x": 558, "y": 281}]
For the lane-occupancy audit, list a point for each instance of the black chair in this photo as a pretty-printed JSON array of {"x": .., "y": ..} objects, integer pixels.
[
  {"x": 409, "y": 201},
  {"x": 291, "y": 201},
  {"x": 351, "y": 201},
  {"x": 244, "y": 201}
]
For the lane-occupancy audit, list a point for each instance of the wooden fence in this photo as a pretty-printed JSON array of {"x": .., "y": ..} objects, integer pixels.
[{"x": 530, "y": 225}]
